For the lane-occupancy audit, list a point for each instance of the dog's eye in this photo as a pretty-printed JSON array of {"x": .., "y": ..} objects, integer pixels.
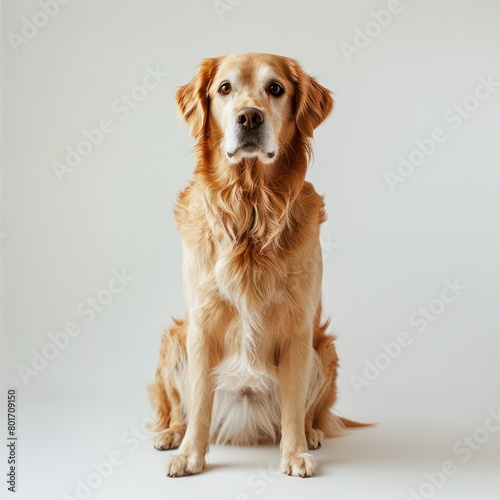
[
  {"x": 276, "y": 89},
  {"x": 225, "y": 88}
]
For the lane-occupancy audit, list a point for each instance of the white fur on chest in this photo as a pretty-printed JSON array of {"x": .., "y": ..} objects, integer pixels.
[
  {"x": 247, "y": 407},
  {"x": 247, "y": 397}
]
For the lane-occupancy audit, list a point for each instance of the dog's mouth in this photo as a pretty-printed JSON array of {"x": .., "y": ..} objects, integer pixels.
[
  {"x": 249, "y": 149},
  {"x": 259, "y": 144}
]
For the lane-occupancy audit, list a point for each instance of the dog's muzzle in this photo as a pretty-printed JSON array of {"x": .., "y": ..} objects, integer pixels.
[{"x": 250, "y": 134}]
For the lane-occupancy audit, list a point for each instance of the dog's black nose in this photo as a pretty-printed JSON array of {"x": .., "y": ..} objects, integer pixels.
[{"x": 249, "y": 118}]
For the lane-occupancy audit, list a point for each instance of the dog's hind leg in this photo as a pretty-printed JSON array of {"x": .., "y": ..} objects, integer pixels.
[
  {"x": 168, "y": 390},
  {"x": 320, "y": 421}
]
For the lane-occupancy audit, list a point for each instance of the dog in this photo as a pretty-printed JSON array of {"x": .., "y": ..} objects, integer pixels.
[{"x": 252, "y": 361}]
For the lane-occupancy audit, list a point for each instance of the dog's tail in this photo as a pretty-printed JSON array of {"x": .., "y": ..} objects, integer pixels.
[{"x": 334, "y": 426}]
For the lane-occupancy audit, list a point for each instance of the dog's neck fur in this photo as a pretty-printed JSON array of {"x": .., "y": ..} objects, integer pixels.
[{"x": 250, "y": 201}]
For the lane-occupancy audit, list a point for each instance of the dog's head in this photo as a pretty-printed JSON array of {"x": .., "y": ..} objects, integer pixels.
[{"x": 253, "y": 105}]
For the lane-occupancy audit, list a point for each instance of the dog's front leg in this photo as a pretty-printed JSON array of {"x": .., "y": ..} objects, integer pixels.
[
  {"x": 294, "y": 373},
  {"x": 203, "y": 355}
]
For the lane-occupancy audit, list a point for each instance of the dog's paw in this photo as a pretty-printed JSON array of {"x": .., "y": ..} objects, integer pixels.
[
  {"x": 314, "y": 437},
  {"x": 169, "y": 438},
  {"x": 185, "y": 464},
  {"x": 299, "y": 464}
]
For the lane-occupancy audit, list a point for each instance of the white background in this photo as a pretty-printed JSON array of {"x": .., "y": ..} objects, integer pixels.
[{"x": 387, "y": 253}]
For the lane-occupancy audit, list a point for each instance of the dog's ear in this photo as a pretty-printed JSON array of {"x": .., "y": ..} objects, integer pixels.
[
  {"x": 192, "y": 98},
  {"x": 313, "y": 102}
]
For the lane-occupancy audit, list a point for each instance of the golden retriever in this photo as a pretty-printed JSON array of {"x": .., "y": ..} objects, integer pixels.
[{"x": 252, "y": 361}]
